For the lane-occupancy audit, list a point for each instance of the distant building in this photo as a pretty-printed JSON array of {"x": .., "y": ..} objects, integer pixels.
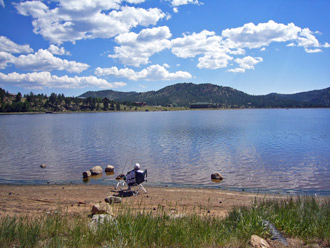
[{"x": 140, "y": 104}]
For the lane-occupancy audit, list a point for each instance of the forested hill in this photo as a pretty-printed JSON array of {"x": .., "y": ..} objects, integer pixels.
[{"x": 189, "y": 94}]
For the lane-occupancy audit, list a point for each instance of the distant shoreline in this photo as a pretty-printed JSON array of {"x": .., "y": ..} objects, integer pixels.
[{"x": 159, "y": 110}]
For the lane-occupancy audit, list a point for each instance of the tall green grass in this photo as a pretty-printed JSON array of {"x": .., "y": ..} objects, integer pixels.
[{"x": 303, "y": 218}]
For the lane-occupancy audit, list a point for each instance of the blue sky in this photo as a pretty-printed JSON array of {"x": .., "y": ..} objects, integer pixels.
[{"x": 72, "y": 46}]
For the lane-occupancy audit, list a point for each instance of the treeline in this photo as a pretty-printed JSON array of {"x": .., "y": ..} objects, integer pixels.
[{"x": 57, "y": 103}]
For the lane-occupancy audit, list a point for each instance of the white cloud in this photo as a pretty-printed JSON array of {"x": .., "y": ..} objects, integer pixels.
[
  {"x": 73, "y": 20},
  {"x": 57, "y": 50},
  {"x": 6, "y": 45},
  {"x": 43, "y": 60},
  {"x": 6, "y": 59},
  {"x": 205, "y": 44},
  {"x": 214, "y": 60},
  {"x": 40, "y": 80},
  {"x": 176, "y": 3},
  {"x": 246, "y": 63},
  {"x": 237, "y": 70},
  {"x": 136, "y": 49},
  {"x": 256, "y": 36},
  {"x": 151, "y": 73},
  {"x": 135, "y": 1},
  {"x": 317, "y": 50},
  {"x": 2, "y": 3}
]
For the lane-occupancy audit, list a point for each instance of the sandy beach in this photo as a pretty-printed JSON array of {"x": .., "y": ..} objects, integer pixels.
[{"x": 78, "y": 199}]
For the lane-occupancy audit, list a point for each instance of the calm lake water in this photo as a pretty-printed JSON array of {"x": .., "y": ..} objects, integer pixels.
[{"x": 265, "y": 149}]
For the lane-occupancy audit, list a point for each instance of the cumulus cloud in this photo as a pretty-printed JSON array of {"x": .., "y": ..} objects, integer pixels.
[
  {"x": 246, "y": 63},
  {"x": 73, "y": 20},
  {"x": 43, "y": 60},
  {"x": 206, "y": 44},
  {"x": 136, "y": 49},
  {"x": 256, "y": 36},
  {"x": 40, "y": 80},
  {"x": 57, "y": 50},
  {"x": 6, "y": 45},
  {"x": 151, "y": 73}
]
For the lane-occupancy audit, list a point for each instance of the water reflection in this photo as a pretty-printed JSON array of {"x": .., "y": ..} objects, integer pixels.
[{"x": 272, "y": 149}]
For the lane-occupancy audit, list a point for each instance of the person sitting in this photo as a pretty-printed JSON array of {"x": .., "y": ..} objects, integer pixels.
[{"x": 130, "y": 176}]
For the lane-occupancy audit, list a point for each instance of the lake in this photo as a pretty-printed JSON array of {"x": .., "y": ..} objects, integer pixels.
[{"x": 271, "y": 150}]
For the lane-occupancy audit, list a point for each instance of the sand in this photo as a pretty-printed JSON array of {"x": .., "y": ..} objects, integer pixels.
[{"x": 78, "y": 199}]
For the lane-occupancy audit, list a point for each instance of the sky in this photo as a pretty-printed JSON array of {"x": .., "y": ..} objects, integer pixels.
[{"x": 73, "y": 46}]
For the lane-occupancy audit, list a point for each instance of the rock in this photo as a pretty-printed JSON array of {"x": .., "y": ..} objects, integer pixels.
[
  {"x": 87, "y": 174},
  {"x": 109, "y": 168},
  {"x": 100, "y": 219},
  {"x": 216, "y": 176},
  {"x": 258, "y": 242},
  {"x": 112, "y": 199},
  {"x": 102, "y": 208},
  {"x": 96, "y": 170},
  {"x": 43, "y": 166}
]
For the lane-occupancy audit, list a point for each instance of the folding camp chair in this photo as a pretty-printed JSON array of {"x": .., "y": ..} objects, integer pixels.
[{"x": 134, "y": 179}]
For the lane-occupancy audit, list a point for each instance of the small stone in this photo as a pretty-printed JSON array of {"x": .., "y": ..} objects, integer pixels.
[
  {"x": 86, "y": 174},
  {"x": 109, "y": 168},
  {"x": 216, "y": 176},
  {"x": 96, "y": 170},
  {"x": 43, "y": 166},
  {"x": 258, "y": 242},
  {"x": 113, "y": 199}
]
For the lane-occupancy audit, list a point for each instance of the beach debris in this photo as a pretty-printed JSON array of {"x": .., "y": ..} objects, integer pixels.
[
  {"x": 109, "y": 168},
  {"x": 43, "y": 166},
  {"x": 217, "y": 176},
  {"x": 275, "y": 234},
  {"x": 113, "y": 199},
  {"x": 102, "y": 208},
  {"x": 86, "y": 174},
  {"x": 96, "y": 170},
  {"x": 258, "y": 242}
]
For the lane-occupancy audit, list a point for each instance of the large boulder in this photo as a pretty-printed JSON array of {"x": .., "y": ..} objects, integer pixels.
[
  {"x": 87, "y": 174},
  {"x": 96, "y": 170},
  {"x": 216, "y": 176},
  {"x": 109, "y": 168},
  {"x": 258, "y": 242},
  {"x": 102, "y": 208}
]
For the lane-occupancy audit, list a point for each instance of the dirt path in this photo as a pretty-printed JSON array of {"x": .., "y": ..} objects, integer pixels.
[{"x": 34, "y": 200}]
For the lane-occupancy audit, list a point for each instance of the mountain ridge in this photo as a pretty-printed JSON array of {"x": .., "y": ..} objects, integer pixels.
[{"x": 190, "y": 94}]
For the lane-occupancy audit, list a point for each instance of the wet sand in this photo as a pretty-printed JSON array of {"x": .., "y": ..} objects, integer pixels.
[{"x": 78, "y": 199}]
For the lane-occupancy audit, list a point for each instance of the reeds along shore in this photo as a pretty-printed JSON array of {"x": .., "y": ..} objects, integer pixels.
[{"x": 304, "y": 221}]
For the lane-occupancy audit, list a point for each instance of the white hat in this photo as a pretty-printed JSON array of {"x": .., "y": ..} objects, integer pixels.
[{"x": 137, "y": 166}]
